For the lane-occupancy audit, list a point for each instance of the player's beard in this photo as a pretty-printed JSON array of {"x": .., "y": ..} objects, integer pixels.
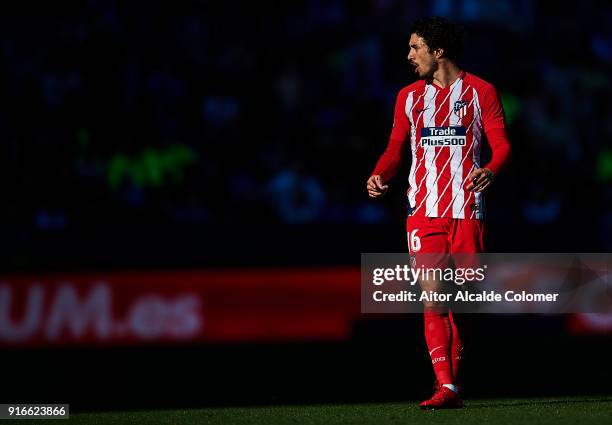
[{"x": 428, "y": 74}]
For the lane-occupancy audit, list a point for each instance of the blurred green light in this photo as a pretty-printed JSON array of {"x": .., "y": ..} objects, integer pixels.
[
  {"x": 153, "y": 168},
  {"x": 511, "y": 106},
  {"x": 83, "y": 137},
  {"x": 604, "y": 165}
]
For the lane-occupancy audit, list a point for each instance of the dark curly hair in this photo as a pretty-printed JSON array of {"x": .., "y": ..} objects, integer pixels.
[{"x": 440, "y": 33}]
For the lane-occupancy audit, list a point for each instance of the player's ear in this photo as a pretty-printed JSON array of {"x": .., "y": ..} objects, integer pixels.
[{"x": 439, "y": 52}]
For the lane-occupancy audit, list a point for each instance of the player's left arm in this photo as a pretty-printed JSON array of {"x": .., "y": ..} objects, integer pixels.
[{"x": 494, "y": 126}]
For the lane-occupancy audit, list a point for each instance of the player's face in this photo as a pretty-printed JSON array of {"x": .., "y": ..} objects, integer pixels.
[{"x": 421, "y": 58}]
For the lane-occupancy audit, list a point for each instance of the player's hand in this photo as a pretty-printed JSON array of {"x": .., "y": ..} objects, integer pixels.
[
  {"x": 375, "y": 187},
  {"x": 480, "y": 179}
]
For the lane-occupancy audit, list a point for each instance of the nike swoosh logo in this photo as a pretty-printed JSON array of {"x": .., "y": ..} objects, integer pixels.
[
  {"x": 439, "y": 346},
  {"x": 421, "y": 110}
]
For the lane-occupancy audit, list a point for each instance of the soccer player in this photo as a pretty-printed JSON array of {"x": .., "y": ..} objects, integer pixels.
[{"x": 444, "y": 117}]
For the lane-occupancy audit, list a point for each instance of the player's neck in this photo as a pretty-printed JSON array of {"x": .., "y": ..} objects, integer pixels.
[{"x": 446, "y": 74}]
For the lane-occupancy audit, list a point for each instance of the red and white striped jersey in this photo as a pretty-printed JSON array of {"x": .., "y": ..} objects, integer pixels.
[{"x": 446, "y": 128}]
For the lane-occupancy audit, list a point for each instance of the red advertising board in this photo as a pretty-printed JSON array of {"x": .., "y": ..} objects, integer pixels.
[{"x": 229, "y": 306}]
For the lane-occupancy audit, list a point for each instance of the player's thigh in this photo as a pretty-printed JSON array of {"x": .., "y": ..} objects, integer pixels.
[
  {"x": 468, "y": 236},
  {"x": 428, "y": 241},
  {"x": 467, "y": 241}
]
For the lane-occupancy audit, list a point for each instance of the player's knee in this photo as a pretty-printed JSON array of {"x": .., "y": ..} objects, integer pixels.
[{"x": 435, "y": 306}]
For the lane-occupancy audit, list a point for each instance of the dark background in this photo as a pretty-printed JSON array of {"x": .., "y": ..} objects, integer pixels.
[
  {"x": 192, "y": 133},
  {"x": 200, "y": 134}
]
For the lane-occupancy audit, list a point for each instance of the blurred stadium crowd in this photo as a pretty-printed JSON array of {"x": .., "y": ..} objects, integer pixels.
[{"x": 178, "y": 133}]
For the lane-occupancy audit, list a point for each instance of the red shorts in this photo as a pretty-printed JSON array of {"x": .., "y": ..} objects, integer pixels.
[{"x": 439, "y": 238}]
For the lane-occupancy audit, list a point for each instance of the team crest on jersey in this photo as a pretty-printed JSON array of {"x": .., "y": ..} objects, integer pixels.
[{"x": 460, "y": 108}]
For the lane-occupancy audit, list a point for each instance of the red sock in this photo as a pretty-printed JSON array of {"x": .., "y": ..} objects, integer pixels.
[
  {"x": 438, "y": 335},
  {"x": 456, "y": 347}
]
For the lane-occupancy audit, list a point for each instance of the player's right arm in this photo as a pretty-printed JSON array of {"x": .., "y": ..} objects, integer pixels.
[{"x": 391, "y": 159}]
